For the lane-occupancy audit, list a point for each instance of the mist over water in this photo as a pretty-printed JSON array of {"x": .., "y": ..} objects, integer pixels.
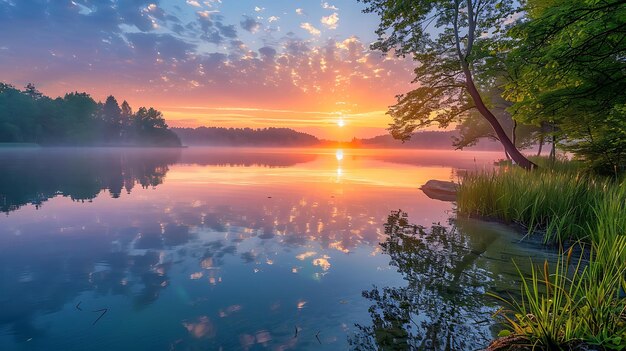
[{"x": 239, "y": 249}]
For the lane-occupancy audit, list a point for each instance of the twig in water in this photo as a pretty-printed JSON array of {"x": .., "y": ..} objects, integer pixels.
[
  {"x": 104, "y": 311},
  {"x": 317, "y": 336},
  {"x": 78, "y": 306},
  {"x": 296, "y": 334}
]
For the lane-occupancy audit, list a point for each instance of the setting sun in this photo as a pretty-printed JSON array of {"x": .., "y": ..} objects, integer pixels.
[{"x": 341, "y": 122}]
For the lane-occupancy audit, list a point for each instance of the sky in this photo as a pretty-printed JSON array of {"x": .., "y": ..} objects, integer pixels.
[{"x": 230, "y": 63}]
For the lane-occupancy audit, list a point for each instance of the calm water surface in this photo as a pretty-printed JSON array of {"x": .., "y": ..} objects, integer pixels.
[{"x": 243, "y": 249}]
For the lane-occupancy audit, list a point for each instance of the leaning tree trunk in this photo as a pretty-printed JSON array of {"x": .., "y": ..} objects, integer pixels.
[{"x": 510, "y": 148}]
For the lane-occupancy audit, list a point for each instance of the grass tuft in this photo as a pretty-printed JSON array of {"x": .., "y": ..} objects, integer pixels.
[{"x": 564, "y": 205}]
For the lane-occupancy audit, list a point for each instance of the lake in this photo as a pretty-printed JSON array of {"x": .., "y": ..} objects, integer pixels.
[{"x": 245, "y": 249}]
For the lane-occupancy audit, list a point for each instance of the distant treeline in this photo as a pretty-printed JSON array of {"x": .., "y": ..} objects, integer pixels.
[
  {"x": 286, "y": 137},
  {"x": 441, "y": 140},
  {"x": 28, "y": 116},
  {"x": 218, "y": 136}
]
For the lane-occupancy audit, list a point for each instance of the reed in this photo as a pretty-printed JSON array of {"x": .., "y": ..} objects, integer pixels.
[
  {"x": 575, "y": 301},
  {"x": 563, "y": 206},
  {"x": 572, "y": 303}
]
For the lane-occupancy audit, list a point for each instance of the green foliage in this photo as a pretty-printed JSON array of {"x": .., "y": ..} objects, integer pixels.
[
  {"x": 429, "y": 31},
  {"x": 572, "y": 302},
  {"x": 77, "y": 119},
  {"x": 474, "y": 127},
  {"x": 576, "y": 302},
  {"x": 565, "y": 205},
  {"x": 455, "y": 45},
  {"x": 567, "y": 69}
]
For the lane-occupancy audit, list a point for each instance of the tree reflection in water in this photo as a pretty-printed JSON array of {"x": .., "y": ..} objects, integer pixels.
[{"x": 443, "y": 305}]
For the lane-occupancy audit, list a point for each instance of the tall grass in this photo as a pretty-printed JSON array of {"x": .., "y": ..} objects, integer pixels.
[
  {"x": 564, "y": 205},
  {"x": 571, "y": 302},
  {"x": 574, "y": 302}
]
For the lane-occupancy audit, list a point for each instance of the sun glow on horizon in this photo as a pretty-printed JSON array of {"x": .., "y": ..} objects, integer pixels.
[{"x": 341, "y": 122}]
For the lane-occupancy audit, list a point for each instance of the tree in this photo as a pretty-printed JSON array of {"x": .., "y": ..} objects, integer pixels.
[
  {"x": 126, "y": 119},
  {"x": 147, "y": 119},
  {"x": 568, "y": 70},
  {"x": 111, "y": 111},
  {"x": 149, "y": 127},
  {"x": 77, "y": 119},
  {"x": 465, "y": 34},
  {"x": 32, "y": 92},
  {"x": 474, "y": 127},
  {"x": 112, "y": 118}
]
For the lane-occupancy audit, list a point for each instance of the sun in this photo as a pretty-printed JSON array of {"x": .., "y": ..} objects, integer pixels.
[{"x": 341, "y": 122}]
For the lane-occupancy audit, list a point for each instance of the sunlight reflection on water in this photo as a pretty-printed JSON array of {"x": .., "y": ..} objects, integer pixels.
[{"x": 203, "y": 248}]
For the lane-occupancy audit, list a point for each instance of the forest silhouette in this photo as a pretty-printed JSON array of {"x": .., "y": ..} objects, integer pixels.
[{"x": 28, "y": 116}]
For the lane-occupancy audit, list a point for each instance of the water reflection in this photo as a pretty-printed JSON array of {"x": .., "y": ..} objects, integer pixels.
[
  {"x": 443, "y": 305},
  {"x": 34, "y": 176},
  {"x": 201, "y": 256}
]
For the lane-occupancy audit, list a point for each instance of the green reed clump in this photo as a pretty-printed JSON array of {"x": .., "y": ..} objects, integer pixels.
[
  {"x": 573, "y": 303},
  {"x": 563, "y": 205}
]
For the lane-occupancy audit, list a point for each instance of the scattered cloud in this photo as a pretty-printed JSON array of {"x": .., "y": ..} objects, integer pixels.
[
  {"x": 194, "y": 3},
  {"x": 259, "y": 9},
  {"x": 310, "y": 28},
  {"x": 331, "y": 21},
  {"x": 195, "y": 57},
  {"x": 250, "y": 24},
  {"x": 300, "y": 12},
  {"x": 328, "y": 6}
]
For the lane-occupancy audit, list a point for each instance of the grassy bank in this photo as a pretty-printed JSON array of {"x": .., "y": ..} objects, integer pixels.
[
  {"x": 578, "y": 302},
  {"x": 561, "y": 202}
]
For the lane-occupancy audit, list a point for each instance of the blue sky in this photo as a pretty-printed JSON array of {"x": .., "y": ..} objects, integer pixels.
[{"x": 256, "y": 63}]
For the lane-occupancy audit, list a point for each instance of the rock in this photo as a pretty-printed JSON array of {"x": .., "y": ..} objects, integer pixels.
[{"x": 440, "y": 190}]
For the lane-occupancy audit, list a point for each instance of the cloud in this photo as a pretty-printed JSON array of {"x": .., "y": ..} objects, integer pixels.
[
  {"x": 212, "y": 28},
  {"x": 250, "y": 24},
  {"x": 159, "y": 45},
  {"x": 179, "y": 63},
  {"x": 259, "y": 9},
  {"x": 327, "y": 6},
  {"x": 331, "y": 21},
  {"x": 299, "y": 12},
  {"x": 194, "y": 3},
  {"x": 273, "y": 19},
  {"x": 310, "y": 28}
]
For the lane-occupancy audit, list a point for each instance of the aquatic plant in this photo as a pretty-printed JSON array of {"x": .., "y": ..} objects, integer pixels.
[
  {"x": 574, "y": 303},
  {"x": 564, "y": 205}
]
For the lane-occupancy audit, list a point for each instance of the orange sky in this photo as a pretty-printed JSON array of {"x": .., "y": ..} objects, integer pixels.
[{"x": 231, "y": 64}]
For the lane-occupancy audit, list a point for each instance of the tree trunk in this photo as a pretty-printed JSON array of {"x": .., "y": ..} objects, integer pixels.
[
  {"x": 510, "y": 148},
  {"x": 553, "y": 151},
  {"x": 514, "y": 133},
  {"x": 541, "y": 140}
]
